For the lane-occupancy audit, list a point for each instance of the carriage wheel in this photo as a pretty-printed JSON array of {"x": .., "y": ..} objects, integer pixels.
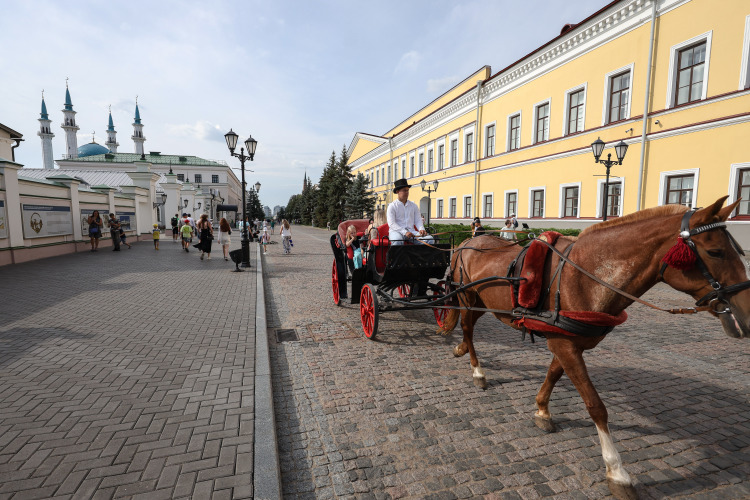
[
  {"x": 368, "y": 311},
  {"x": 404, "y": 291},
  {"x": 335, "y": 284},
  {"x": 440, "y": 314}
]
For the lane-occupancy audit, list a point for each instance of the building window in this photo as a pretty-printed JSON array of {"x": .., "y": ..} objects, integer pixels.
[
  {"x": 454, "y": 152},
  {"x": 377, "y": 177},
  {"x": 680, "y": 190},
  {"x": 469, "y": 147},
  {"x": 619, "y": 97},
  {"x": 575, "y": 111},
  {"x": 214, "y": 179},
  {"x": 452, "y": 208},
  {"x": 389, "y": 173},
  {"x": 439, "y": 209},
  {"x": 441, "y": 156},
  {"x": 613, "y": 199},
  {"x": 514, "y": 133},
  {"x": 467, "y": 206},
  {"x": 542, "y": 123},
  {"x": 511, "y": 204},
  {"x": 411, "y": 167},
  {"x": 489, "y": 150},
  {"x": 690, "y": 73},
  {"x": 421, "y": 163},
  {"x": 537, "y": 200},
  {"x": 487, "y": 208},
  {"x": 743, "y": 192},
  {"x": 429, "y": 160},
  {"x": 181, "y": 177},
  {"x": 571, "y": 202},
  {"x": 403, "y": 169},
  {"x": 198, "y": 178}
]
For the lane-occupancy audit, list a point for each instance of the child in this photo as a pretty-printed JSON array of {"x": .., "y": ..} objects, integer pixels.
[
  {"x": 157, "y": 235},
  {"x": 187, "y": 235},
  {"x": 123, "y": 238},
  {"x": 264, "y": 239}
]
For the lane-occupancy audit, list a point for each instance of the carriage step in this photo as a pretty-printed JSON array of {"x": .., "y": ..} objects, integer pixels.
[{"x": 286, "y": 335}]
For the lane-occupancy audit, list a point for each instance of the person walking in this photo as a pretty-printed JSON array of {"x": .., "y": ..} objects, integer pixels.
[
  {"x": 224, "y": 231},
  {"x": 286, "y": 237},
  {"x": 175, "y": 230},
  {"x": 95, "y": 229},
  {"x": 124, "y": 238},
  {"x": 187, "y": 235},
  {"x": 508, "y": 231},
  {"x": 273, "y": 224},
  {"x": 265, "y": 239},
  {"x": 206, "y": 236},
  {"x": 114, "y": 232},
  {"x": 157, "y": 235}
]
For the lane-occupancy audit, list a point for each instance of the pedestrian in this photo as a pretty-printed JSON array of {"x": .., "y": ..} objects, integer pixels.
[
  {"x": 265, "y": 239},
  {"x": 286, "y": 236},
  {"x": 157, "y": 235},
  {"x": 514, "y": 221},
  {"x": 95, "y": 229},
  {"x": 187, "y": 235},
  {"x": 191, "y": 221},
  {"x": 477, "y": 230},
  {"x": 206, "y": 236},
  {"x": 224, "y": 231},
  {"x": 114, "y": 232},
  {"x": 273, "y": 224},
  {"x": 124, "y": 238},
  {"x": 508, "y": 232},
  {"x": 175, "y": 230}
]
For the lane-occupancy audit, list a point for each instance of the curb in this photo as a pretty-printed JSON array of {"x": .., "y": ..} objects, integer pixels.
[{"x": 266, "y": 473}]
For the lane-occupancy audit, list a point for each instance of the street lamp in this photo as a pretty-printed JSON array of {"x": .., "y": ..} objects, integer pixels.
[
  {"x": 429, "y": 190},
  {"x": 250, "y": 144},
  {"x": 598, "y": 147}
]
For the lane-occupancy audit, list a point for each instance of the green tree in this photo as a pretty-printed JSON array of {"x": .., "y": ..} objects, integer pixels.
[
  {"x": 254, "y": 207},
  {"x": 359, "y": 202}
]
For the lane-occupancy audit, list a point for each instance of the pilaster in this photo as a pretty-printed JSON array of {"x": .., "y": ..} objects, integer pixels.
[{"x": 13, "y": 218}]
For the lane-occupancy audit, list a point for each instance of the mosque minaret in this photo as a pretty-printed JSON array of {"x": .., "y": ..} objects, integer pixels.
[
  {"x": 70, "y": 127},
  {"x": 138, "y": 138},
  {"x": 45, "y": 132},
  {"x": 111, "y": 135}
]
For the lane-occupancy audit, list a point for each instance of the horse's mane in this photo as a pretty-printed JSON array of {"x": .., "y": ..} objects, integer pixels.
[{"x": 649, "y": 213}]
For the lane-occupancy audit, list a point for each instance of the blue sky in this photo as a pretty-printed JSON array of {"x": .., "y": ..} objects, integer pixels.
[{"x": 301, "y": 77}]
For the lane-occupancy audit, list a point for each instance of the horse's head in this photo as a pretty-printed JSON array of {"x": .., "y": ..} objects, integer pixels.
[{"x": 713, "y": 266}]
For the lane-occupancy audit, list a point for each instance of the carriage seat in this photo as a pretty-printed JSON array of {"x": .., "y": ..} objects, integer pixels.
[
  {"x": 360, "y": 225},
  {"x": 529, "y": 291},
  {"x": 381, "y": 245}
]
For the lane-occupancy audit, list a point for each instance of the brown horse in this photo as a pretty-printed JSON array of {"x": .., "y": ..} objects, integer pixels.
[{"x": 625, "y": 252}]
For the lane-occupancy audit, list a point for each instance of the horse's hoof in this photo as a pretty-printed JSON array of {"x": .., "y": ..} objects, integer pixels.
[
  {"x": 480, "y": 382},
  {"x": 622, "y": 491},
  {"x": 458, "y": 352},
  {"x": 546, "y": 424}
]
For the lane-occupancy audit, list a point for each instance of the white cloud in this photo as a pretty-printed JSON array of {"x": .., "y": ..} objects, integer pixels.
[
  {"x": 409, "y": 62},
  {"x": 440, "y": 85},
  {"x": 202, "y": 130}
]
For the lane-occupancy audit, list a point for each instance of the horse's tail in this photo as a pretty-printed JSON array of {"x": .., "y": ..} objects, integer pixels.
[{"x": 450, "y": 322}]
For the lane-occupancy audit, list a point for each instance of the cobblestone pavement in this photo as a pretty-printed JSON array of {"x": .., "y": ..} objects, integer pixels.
[
  {"x": 399, "y": 417},
  {"x": 127, "y": 374}
]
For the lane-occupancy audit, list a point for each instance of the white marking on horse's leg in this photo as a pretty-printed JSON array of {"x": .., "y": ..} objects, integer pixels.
[
  {"x": 477, "y": 371},
  {"x": 612, "y": 460}
]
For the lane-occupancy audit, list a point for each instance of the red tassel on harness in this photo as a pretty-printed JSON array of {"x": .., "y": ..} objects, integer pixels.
[{"x": 680, "y": 256}]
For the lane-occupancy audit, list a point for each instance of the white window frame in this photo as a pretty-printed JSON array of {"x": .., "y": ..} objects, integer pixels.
[
  {"x": 561, "y": 205},
  {"x": 600, "y": 192},
  {"x": 607, "y": 85},
  {"x": 412, "y": 172},
  {"x": 520, "y": 128},
  {"x": 745, "y": 64},
  {"x": 534, "y": 138},
  {"x": 377, "y": 176},
  {"x": 403, "y": 166},
  {"x": 467, "y": 131},
  {"x": 428, "y": 168},
  {"x": 484, "y": 142},
  {"x": 463, "y": 205},
  {"x": 452, "y": 216},
  {"x": 437, "y": 205},
  {"x": 484, "y": 204},
  {"x": 734, "y": 181},
  {"x": 671, "y": 91},
  {"x": 439, "y": 143},
  {"x": 449, "y": 152},
  {"x": 531, "y": 201},
  {"x": 421, "y": 151},
  {"x": 505, "y": 202},
  {"x": 663, "y": 184},
  {"x": 585, "y": 87}
]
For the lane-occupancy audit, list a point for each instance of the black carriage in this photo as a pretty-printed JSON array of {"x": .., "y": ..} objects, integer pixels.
[{"x": 392, "y": 277}]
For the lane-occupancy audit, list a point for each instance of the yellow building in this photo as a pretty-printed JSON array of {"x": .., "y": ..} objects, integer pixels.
[{"x": 670, "y": 78}]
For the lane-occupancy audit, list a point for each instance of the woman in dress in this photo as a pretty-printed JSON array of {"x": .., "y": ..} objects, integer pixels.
[
  {"x": 95, "y": 229},
  {"x": 224, "y": 231},
  {"x": 207, "y": 235},
  {"x": 286, "y": 236}
]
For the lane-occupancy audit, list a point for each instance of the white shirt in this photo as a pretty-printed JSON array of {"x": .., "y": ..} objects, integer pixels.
[{"x": 402, "y": 218}]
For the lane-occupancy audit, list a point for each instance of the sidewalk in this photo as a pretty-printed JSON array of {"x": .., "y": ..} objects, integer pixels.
[{"x": 133, "y": 374}]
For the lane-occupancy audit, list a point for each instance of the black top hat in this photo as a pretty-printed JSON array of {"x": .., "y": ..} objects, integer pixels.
[{"x": 400, "y": 184}]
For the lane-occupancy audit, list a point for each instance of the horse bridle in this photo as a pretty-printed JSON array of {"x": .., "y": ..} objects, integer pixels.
[{"x": 717, "y": 299}]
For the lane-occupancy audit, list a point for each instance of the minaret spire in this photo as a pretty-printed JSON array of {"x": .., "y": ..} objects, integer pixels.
[
  {"x": 69, "y": 126},
  {"x": 46, "y": 135},
  {"x": 111, "y": 134},
  {"x": 138, "y": 138}
]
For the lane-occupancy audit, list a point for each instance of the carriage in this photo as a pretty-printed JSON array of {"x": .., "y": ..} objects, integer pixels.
[{"x": 392, "y": 277}]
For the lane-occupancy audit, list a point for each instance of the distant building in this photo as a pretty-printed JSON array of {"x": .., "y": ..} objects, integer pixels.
[{"x": 267, "y": 210}]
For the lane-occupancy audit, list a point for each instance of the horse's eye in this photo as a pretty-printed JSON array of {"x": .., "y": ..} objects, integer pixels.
[{"x": 716, "y": 253}]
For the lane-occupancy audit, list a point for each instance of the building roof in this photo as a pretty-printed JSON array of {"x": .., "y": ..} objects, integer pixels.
[
  {"x": 153, "y": 157},
  {"x": 91, "y": 149},
  {"x": 13, "y": 133},
  {"x": 88, "y": 178},
  {"x": 137, "y": 114},
  {"x": 111, "y": 127},
  {"x": 68, "y": 102},
  {"x": 44, "y": 114}
]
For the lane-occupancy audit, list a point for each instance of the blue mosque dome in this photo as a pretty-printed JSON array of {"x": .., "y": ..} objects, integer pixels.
[{"x": 91, "y": 149}]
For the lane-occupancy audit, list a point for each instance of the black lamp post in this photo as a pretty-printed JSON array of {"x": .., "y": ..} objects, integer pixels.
[
  {"x": 620, "y": 149},
  {"x": 429, "y": 190},
  {"x": 250, "y": 144}
]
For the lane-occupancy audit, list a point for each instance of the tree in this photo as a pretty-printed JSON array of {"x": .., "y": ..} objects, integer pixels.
[
  {"x": 254, "y": 208},
  {"x": 359, "y": 201}
]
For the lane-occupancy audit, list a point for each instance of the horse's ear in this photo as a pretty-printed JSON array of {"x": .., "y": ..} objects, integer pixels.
[
  {"x": 725, "y": 212},
  {"x": 706, "y": 215}
]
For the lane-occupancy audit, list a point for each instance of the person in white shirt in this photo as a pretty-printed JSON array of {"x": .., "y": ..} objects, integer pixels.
[
  {"x": 508, "y": 233},
  {"x": 403, "y": 217}
]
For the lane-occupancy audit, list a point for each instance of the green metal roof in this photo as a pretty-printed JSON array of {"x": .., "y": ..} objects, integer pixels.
[{"x": 155, "y": 158}]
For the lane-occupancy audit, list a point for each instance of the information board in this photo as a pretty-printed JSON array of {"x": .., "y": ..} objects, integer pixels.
[
  {"x": 46, "y": 220},
  {"x": 86, "y": 213},
  {"x": 127, "y": 220},
  {"x": 3, "y": 224}
]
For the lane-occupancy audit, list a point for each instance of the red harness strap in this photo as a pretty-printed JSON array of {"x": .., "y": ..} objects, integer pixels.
[{"x": 587, "y": 317}]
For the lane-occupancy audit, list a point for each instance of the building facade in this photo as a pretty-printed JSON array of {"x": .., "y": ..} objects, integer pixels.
[{"x": 670, "y": 78}]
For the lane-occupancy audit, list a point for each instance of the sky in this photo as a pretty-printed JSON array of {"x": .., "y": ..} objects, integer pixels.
[{"x": 301, "y": 77}]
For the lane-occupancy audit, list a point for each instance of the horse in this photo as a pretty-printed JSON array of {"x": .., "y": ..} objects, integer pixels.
[{"x": 629, "y": 253}]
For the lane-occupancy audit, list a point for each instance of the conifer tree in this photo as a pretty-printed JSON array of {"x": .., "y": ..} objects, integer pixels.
[{"x": 359, "y": 202}]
